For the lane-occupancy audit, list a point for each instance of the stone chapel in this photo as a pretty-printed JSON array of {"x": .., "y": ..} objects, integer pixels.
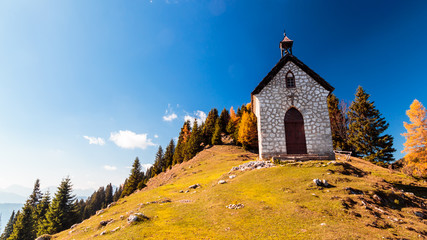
[{"x": 290, "y": 104}]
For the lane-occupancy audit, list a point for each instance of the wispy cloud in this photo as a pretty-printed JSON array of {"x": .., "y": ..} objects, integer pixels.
[
  {"x": 110, "y": 168},
  {"x": 156, "y": 136},
  {"x": 170, "y": 117},
  {"x": 200, "y": 116},
  {"x": 130, "y": 140},
  {"x": 146, "y": 166},
  {"x": 95, "y": 140}
]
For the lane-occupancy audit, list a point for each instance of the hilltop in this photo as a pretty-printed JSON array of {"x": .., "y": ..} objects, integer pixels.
[{"x": 363, "y": 201}]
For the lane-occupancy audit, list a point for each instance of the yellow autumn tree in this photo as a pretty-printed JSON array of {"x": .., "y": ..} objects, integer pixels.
[
  {"x": 248, "y": 134},
  {"x": 416, "y": 140}
]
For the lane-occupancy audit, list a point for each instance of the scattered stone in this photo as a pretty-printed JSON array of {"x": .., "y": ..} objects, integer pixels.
[
  {"x": 377, "y": 198},
  {"x": 420, "y": 214},
  {"x": 323, "y": 224},
  {"x": 115, "y": 229},
  {"x": 187, "y": 191},
  {"x": 184, "y": 201},
  {"x": 181, "y": 191},
  {"x": 71, "y": 232},
  {"x": 253, "y": 165},
  {"x": 232, "y": 176},
  {"x": 103, "y": 233},
  {"x": 106, "y": 222},
  {"x": 75, "y": 225},
  {"x": 100, "y": 212},
  {"x": 235, "y": 206},
  {"x": 321, "y": 183},
  {"x": 137, "y": 217},
  {"x": 221, "y": 181},
  {"x": 194, "y": 186},
  {"x": 331, "y": 162},
  {"x": 353, "y": 191},
  {"x": 44, "y": 237},
  {"x": 111, "y": 204},
  {"x": 121, "y": 217}
]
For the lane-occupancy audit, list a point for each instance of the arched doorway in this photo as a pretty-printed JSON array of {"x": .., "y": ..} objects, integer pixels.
[{"x": 295, "y": 135}]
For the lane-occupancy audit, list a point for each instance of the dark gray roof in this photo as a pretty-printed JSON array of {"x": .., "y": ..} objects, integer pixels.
[{"x": 296, "y": 61}]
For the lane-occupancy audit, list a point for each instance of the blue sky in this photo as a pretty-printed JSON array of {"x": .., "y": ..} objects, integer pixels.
[{"x": 110, "y": 72}]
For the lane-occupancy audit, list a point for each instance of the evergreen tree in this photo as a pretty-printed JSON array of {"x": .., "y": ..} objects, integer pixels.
[
  {"x": 339, "y": 123},
  {"x": 108, "y": 195},
  {"x": 223, "y": 120},
  {"x": 9, "y": 227},
  {"x": 41, "y": 211},
  {"x": 232, "y": 125},
  {"x": 366, "y": 128},
  {"x": 416, "y": 140},
  {"x": 36, "y": 195},
  {"x": 193, "y": 146},
  {"x": 178, "y": 156},
  {"x": 118, "y": 193},
  {"x": 24, "y": 227},
  {"x": 170, "y": 150},
  {"x": 216, "y": 138},
  {"x": 62, "y": 210},
  {"x": 159, "y": 161},
  {"x": 134, "y": 179},
  {"x": 248, "y": 134},
  {"x": 209, "y": 127}
]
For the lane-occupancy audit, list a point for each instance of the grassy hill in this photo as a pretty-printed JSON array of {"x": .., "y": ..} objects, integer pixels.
[{"x": 282, "y": 202}]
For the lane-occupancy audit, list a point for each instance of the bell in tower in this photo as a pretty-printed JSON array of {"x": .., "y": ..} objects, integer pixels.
[{"x": 286, "y": 45}]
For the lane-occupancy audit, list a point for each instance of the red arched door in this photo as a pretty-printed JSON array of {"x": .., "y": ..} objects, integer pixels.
[{"x": 294, "y": 130}]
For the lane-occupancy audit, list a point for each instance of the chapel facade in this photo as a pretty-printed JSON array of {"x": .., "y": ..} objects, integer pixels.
[{"x": 290, "y": 104}]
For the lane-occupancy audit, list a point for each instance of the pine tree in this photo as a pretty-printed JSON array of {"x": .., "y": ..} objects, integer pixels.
[
  {"x": 193, "y": 146},
  {"x": 62, "y": 210},
  {"x": 159, "y": 161},
  {"x": 118, "y": 192},
  {"x": 41, "y": 211},
  {"x": 133, "y": 180},
  {"x": 248, "y": 134},
  {"x": 178, "y": 156},
  {"x": 9, "y": 227},
  {"x": 108, "y": 195},
  {"x": 416, "y": 140},
  {"x": 216, "y": 138},
  {"x": 339, "y": 123},
  {"x": 24, "y": 227},
  {"x": 366, "y": 128},
  {"x": 36, "y": 195},
  {"x": 170, "y": 150},
  {"x": 223, "y": 120},
  {"x": 232, "y": 125},
  {"x": 209, "y": 127}
]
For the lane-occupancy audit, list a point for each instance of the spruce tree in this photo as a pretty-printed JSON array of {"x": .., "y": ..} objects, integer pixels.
[
  {"x": 108, "y": 195},
  {"x": 159, "y": 161},
  {"x": 223, "y": 120},
  {"x": 339, "y": 123},
  {"x": 193, "y": 146},
  {"x": 24, "y": 227},
  {"x": 366, "y": 128},
  {"x": 62, "y": 210},
  {"x": 9, "y": 227},
  {"x": 41, "y": 211},
  {"x": 178, "y": 156},
  {"x": 170, "y": 150},
  {"x": 216, "y": 138},
  {"x": 36, "y": 195},
  {"x": 209, "y": 127},
  {"x": 118, "y": 193},
  {"x": 134, "y": 179}
]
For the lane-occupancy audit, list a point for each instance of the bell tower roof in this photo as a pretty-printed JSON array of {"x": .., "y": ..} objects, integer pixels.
[{"x": 286, "y": 45}]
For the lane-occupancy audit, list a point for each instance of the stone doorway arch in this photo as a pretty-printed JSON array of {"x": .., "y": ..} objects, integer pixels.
[{"x": 294, "y": 131}]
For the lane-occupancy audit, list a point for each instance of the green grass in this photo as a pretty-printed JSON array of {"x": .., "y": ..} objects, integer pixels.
[{"x": 279, "y": 203}]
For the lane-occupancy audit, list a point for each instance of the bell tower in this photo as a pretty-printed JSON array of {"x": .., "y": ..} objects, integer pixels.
[{"x": 286, "y": 45}]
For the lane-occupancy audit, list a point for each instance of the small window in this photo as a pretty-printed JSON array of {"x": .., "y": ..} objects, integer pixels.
[{"x": 290, "y": 80}]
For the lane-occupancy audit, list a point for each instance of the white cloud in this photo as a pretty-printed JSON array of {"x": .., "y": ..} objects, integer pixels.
[
  {"x": 95, "y": 140},
  {"x": 146, "y": 166},
  {"x": 170, "y": 117},
  {"x": 156, "y": 136},
  {"x": 130, "y": 140},
  {"x": 110, "y": 168},
  {"x": 200, "y": 116}
]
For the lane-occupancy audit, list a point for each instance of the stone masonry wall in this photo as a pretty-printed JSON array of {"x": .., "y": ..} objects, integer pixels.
[{"x": 310, "y": 99}]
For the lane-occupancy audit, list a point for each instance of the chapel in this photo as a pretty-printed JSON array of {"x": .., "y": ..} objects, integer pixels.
[{"x": 290, "y": 104}]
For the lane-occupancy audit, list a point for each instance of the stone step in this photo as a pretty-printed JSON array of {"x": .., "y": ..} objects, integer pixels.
[{"x": 302, "y": 157}]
